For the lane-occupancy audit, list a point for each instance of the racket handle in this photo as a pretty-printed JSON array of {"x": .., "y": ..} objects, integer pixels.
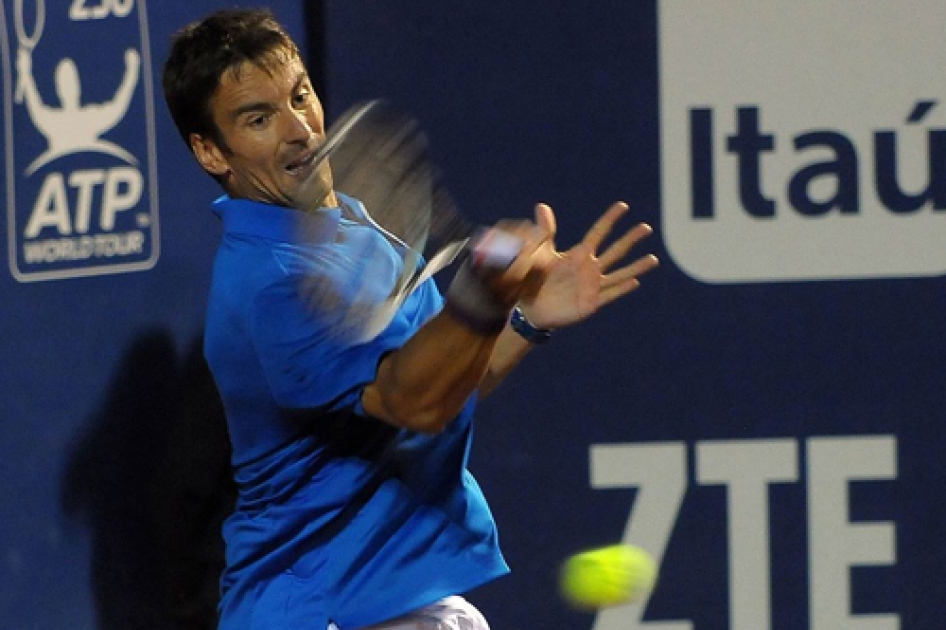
[{"x": 494, "y": 249}]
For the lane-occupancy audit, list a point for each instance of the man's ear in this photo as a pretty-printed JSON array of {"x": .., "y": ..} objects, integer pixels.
[{"x": 209, "y": 155}]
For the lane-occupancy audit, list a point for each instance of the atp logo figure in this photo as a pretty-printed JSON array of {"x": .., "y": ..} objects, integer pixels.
[{"x": 72, "y": 127}]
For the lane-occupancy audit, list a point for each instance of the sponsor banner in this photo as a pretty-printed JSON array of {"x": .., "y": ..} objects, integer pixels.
[
  {"x": 751, "y": 472},
  {"x": 803, "y": 140},
  {"x": 79, "y": 138}
]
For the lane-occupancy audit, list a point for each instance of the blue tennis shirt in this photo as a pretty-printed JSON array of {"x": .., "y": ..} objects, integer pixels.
[{"x": 340, "y": 517}]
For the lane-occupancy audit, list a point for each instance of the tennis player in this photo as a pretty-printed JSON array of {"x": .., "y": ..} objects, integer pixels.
[{"x": 356, "y": 508}]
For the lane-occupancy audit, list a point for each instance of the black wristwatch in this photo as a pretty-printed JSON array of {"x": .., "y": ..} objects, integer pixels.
[{"x": 526, "y": 330}]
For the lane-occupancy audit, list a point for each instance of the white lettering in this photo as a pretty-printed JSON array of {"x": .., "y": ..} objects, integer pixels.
[
  {"x": 746, "y": 469},
  {"x": 84, "y": 247},
  {"x": 115, "y": 200},
  {"x": 121, "y": 189},
  {"x": 82, "y": 10},
  {"x": 836, "y": 544},
  {"x": 55, "y": 250},
  {"x": 659, "y": 473},
  {"x": 85, "y": 182},
  {"x": 51, "y": 208},
  {"x": 121, "y": 8},
  {"x": 110, "y": 245}
]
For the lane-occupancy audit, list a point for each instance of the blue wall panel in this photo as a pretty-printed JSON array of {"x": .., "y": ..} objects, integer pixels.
[{"x": 98, "y": 373}]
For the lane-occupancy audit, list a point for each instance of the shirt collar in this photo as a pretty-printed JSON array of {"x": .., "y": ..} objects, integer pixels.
[{"x": 254, "y": 218}]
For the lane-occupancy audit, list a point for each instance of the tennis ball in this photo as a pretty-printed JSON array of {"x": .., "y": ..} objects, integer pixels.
[{"x": 617, "y": 574}]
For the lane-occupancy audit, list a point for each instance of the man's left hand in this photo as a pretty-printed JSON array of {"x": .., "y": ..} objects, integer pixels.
[{"x": 581, "y": 280}]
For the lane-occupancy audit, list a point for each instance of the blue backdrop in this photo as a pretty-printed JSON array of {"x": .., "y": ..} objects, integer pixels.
[{"x": 763, "y": 416}]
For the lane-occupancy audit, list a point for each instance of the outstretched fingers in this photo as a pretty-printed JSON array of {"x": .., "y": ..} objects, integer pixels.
[
  {"x": 601, "y": 228},
  {"x": 624, "y": 280},
  {"x": 621, "y": 247}
]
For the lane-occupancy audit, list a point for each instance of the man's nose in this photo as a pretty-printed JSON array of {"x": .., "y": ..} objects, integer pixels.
[{"x": 299, "y": 129}]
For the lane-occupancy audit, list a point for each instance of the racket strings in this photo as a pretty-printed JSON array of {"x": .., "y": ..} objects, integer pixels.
[{"x": 380, "y": 157}]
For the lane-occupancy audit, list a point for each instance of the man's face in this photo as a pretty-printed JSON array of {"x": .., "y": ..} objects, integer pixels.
[{"x": 271, "y": 123}]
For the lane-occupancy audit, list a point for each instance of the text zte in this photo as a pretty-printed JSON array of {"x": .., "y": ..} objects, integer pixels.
[
  {"x": 750, "y": 144},
  {"x": 660, "y": 473}
]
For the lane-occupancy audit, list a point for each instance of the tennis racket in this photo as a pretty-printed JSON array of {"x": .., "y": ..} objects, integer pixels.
[{"x": 403, "y": 225}]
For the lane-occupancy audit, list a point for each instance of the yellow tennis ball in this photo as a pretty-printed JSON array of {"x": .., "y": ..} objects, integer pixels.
[{"x": 608, "y": 576}]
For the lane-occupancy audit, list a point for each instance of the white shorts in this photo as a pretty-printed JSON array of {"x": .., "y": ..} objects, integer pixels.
[{"x": 450, "y": 613}]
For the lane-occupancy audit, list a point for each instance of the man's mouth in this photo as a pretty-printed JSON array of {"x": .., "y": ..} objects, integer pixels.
[{"x": 302, "y": 164}]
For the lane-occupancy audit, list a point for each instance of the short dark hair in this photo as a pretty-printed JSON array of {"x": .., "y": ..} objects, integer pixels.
[{"x": 203, "y": 51}]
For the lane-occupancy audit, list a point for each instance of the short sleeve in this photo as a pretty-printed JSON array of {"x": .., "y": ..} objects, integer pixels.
[{"x": 306, "y": 366}]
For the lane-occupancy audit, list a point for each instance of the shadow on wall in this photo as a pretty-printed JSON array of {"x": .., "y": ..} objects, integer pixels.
[{"x": 150, "y": 477}]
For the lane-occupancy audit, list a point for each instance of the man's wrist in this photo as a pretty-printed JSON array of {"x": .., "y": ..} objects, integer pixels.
[
  {"x": 527, "y": 330},
  {"x": 470, "y": 301}
]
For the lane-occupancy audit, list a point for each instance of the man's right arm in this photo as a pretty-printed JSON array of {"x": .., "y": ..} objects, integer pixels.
[{"x": 424, "y": 384}]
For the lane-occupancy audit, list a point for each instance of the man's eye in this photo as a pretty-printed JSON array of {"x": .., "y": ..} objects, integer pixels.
[
  {"x": 257, "y": 121},
  {"x": 302, "y": 97}
]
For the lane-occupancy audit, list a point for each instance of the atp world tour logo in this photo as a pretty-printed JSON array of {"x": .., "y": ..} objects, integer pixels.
[{"x": 79, "y": 138}]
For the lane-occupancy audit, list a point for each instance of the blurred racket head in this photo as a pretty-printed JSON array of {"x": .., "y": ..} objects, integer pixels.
[
  {"x": 397, "y": 218},
  {"x": 380, "y": 155}
]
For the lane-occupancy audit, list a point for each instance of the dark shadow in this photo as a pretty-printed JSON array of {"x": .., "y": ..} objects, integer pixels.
[
  {"x": 150, "y": 478},
  {"x": 194, "y": 495}
]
